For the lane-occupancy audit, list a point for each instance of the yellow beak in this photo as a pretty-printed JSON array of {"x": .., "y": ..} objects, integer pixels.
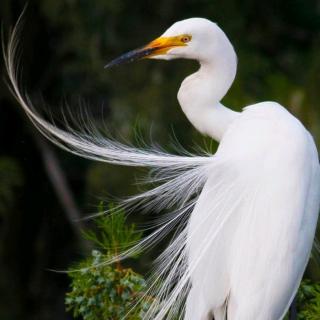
[{"x": 156, "y": 47}]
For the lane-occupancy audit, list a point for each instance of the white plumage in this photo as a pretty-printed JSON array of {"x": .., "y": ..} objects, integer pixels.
[
  {"x": 264, "y": 246},
  {"x": 242, "y": 252}
]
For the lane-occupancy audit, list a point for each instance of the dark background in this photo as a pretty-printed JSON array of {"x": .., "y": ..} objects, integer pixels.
[{"x": 64, "y": 46}]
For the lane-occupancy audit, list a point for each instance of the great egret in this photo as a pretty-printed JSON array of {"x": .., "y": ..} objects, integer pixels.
[{"x": 254, "y": 204}]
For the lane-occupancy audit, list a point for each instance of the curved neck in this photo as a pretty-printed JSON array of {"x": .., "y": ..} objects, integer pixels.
[{"x": 200, "y": 95}]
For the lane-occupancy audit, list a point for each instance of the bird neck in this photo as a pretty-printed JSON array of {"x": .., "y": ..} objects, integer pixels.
[{"x": 200, "y": 95}]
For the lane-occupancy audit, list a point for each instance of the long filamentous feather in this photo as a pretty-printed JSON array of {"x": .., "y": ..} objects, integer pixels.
[
  {"x": 90, "y": 145},
  {"x": 181, "y": 177}
]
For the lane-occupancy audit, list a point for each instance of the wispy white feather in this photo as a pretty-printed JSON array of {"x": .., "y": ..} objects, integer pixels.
[{"x": 179, "y": 179}]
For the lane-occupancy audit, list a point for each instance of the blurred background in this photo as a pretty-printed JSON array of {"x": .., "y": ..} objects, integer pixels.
[{"x": 65, "y": 44}]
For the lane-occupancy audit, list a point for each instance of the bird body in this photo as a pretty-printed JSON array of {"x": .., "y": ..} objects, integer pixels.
[
  {"x": 255, "y": 264},
  {"x": 257, "y": 260},
  {"x": 246, "y": 215}
]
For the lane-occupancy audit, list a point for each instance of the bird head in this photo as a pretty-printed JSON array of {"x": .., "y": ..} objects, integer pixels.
[{"x": 195, "y": 38}]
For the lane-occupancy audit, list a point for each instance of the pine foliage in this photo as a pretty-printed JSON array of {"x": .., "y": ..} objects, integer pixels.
[{"x": 100, "y": 291}]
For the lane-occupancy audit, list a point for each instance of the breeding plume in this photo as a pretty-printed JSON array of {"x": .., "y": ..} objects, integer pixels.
[{"x": 244, "y": 217}]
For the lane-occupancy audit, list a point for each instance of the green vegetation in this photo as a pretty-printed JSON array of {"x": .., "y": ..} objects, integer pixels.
[
  {"x": 104, "y": 291},
  {"x": 308, "y": 300}
]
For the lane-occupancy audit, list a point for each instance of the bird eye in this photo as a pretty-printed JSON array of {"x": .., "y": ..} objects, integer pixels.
[{"x": 186, "y": 38}]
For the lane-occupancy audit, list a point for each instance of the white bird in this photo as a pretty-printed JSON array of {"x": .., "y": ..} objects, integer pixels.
[{"x": 254, "y": 204}]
